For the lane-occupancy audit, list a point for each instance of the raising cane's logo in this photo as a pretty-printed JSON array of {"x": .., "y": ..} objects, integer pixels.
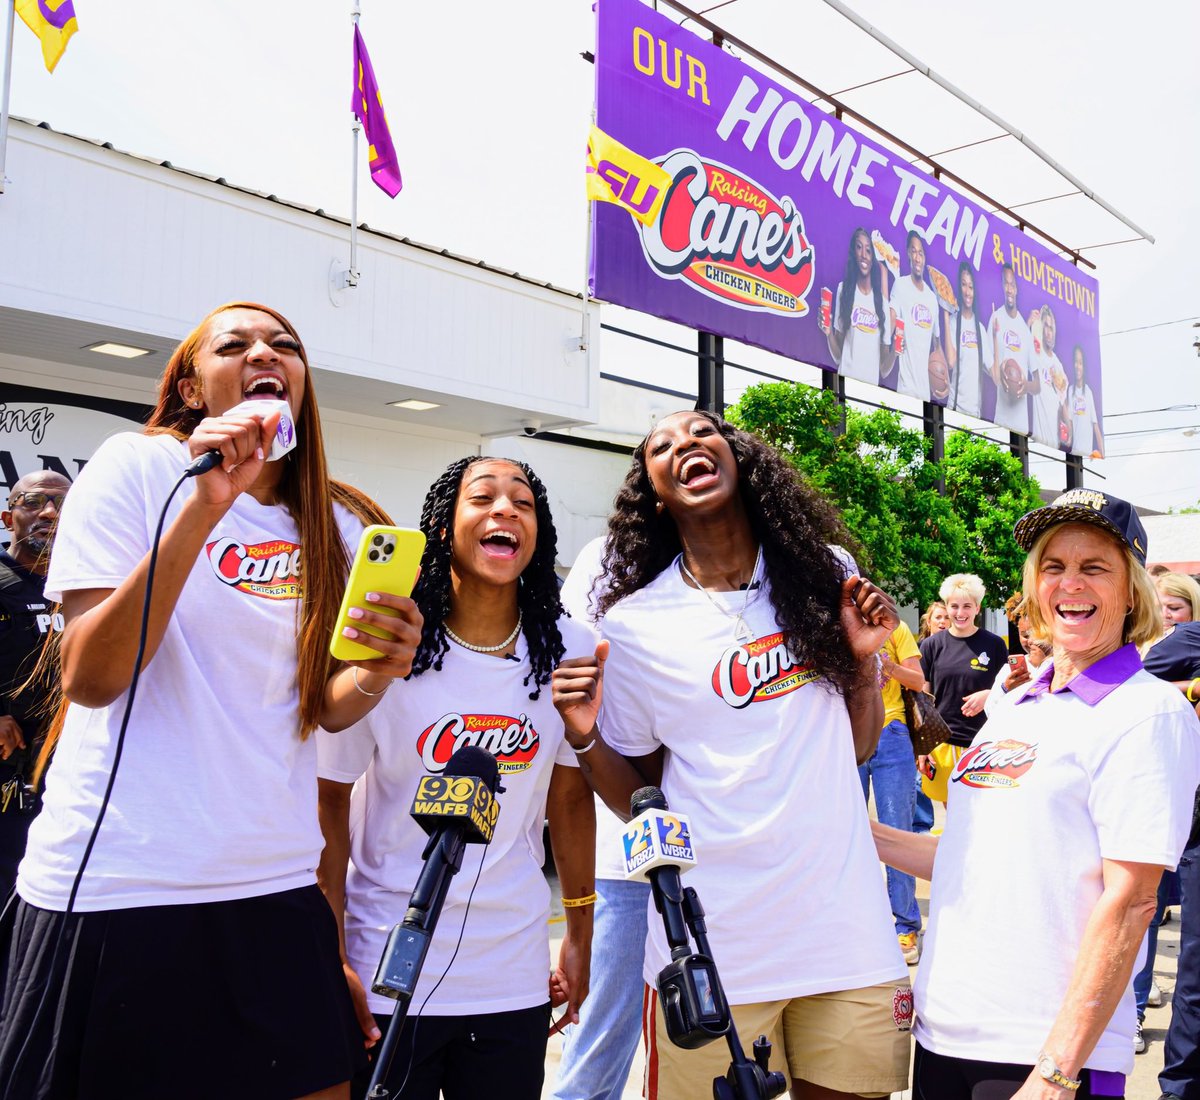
[
  {"x": 758, "y": 670},
  {"x": 512, "y": 741},
  {"x": 994, "y": 764},
  {"x": 267, "y": 569},
  {"x": 729, "y": 238}
]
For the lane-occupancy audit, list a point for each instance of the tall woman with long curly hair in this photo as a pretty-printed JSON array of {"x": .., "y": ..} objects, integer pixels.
[
  {"x": 194, "y": 956},
  {"x": 493, "y": 632},
  {"x": 738, "y": 669}
]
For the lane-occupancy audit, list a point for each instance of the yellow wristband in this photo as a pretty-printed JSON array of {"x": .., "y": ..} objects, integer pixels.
[
  {"x": 578, "y": 903},
  {"x": 1191, "y": 698}
]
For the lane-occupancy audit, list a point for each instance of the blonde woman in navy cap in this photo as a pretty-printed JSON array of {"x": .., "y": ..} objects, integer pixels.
[{"x": 1063, "y": 813}]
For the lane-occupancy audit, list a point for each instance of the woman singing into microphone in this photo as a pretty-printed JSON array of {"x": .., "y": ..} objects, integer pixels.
[
  {"x": 743, "y": 672},
  {"x": 494, "y": 630},
  {"x": 194, "y": 956}
]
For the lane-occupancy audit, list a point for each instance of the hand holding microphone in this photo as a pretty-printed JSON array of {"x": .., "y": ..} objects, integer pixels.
[{"x": 240, "y": 441}]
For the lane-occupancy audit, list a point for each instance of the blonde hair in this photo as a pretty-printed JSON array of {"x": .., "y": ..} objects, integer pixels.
[
  {"x": 926, "y": 627},
  {"x": 967, "y": 584},
  {"x": 1182, "y": 587},
  {"x": 1143, "y": 621}
]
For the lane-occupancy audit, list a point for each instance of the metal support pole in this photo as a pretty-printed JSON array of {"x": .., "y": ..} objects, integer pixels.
[
  {"x": 1074, "y": 465},
  {"x": 5, "y": 95},
  {"x": 836, "y": 384},
  {"x": 934, "y": 418},
  {"x": 1019, "y": 445},
  {"x": 710, "y": 386}
]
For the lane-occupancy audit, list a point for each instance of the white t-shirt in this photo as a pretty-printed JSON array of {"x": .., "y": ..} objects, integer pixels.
[
  {"x": 578, "y": 598},
  {"x": 1045, "y": 402},
  {"x": 476, "y": 699},
  {"x": 1049, "y": 788},
  {"x": 760, "y": 756},
  {"x": 215, "y": 797},
  {"x": 921, "y": 314},
  {"x": 967, "y": 380},
  {"x": 1081, "y": 407},
  {"x": 1012, "y": 340},
  {"x": 862, "y": 348}
]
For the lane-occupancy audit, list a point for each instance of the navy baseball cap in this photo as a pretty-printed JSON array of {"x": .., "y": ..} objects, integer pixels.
[{"x": 1086, "y": 506}]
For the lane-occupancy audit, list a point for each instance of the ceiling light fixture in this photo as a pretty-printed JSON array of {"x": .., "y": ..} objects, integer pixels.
[
  {"x": 121, "y": 351},
  {"x": 415, "y": 404}
]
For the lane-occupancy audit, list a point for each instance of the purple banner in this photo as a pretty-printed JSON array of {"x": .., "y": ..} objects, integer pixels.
[{"x": 787, "y": 229}]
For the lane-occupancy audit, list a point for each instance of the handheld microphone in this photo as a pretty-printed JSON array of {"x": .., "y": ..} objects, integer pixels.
[
  {"x": 455, "y": 809},
  {"x": 285, "y": 433}
]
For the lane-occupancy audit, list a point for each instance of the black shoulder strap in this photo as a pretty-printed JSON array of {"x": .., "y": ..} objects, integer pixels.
[{"x": 9, "y": 577}]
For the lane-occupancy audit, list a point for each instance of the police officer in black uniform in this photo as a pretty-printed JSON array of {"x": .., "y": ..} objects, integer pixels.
[{"x": 25, "y": 619}]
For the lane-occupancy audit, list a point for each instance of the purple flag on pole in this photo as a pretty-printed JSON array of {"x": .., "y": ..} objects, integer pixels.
[{"x": 367, "y": 106}]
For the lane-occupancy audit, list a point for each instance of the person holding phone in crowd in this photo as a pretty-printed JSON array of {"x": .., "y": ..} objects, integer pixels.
[
  {"x": 729, "y": 622},
  {"x": 493, "y": 632},
  {"x": 203, "y": 875},
  {"x": 1063, "y": 813}
]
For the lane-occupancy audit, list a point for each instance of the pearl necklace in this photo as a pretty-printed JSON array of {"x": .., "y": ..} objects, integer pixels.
[
  {"x": 741, "y": 631},
  {"x": 484, "y": 648}
]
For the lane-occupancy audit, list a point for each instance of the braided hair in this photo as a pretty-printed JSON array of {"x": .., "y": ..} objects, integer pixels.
[
  {"x": 537, "y": 593},
  {"x": 793, "y": 523}
]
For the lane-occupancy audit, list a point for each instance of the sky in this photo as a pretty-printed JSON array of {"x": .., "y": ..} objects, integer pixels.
[{"x": 489, "y": 105}]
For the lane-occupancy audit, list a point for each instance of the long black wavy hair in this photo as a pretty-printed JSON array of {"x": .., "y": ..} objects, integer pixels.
[
  {"x": 793, "y": 523},
  {"x": 850, "y": 284},
  {"x": 537, "y": 594}
]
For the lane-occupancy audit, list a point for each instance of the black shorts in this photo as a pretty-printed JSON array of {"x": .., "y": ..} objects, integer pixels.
[
  {"x": 233, "y": 999},
  {"x": 939, "y": 1077},
  {"x": 492, "y": 1055}
]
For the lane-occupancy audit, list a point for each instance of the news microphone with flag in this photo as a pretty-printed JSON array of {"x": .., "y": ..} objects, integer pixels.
[
  {"x": 456, "y": 808},
  {"x": 658, "y": 845}
]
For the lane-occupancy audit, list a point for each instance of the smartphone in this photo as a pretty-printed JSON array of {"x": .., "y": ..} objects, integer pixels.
[
  {"x": 387, "y": 561},
  {"x": 1016, "y": 664}
]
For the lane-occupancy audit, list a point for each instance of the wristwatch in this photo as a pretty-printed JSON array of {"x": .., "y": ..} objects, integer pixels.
[{"x": 1049, "y": 1070}]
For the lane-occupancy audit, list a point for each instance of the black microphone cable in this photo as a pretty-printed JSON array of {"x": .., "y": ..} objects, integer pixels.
[{"x": 199, "y": 466}]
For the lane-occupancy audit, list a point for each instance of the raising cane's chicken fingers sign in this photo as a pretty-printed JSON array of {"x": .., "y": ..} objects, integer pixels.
[{"x": 780, "y": 226}]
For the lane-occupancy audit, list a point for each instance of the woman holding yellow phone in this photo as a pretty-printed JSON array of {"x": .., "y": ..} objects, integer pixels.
[
  {"x": 493, "y": 632},
  {"x": 177, "y": 944}
]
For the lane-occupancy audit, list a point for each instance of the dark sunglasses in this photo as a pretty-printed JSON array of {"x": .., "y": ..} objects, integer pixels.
[{"x": 35, "y": 502}]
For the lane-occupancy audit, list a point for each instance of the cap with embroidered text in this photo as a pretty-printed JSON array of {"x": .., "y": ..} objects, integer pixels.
[{"x": 1086, "y": 506}]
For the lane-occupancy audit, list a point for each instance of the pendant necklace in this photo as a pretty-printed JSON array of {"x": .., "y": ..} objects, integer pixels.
[
  {"x": 483, "y": 648},
  {"x": 741, "y": 631}
]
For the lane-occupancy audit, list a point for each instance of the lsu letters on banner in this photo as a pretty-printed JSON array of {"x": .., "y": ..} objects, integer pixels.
[
  {"x": 616, "y": 174},
  {"x": 53, "y": 21},
  {"x": 367, "y": 105}
]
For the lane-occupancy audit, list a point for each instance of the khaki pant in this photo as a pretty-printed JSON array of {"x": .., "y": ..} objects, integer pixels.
[{"x": 854, "y": 1040}]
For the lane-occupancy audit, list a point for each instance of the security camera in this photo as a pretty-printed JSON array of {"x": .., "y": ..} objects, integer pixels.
[{"x": 530, "y": 428}]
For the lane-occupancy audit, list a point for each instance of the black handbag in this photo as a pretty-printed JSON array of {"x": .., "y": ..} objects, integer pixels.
[{"x": 926, "y": 727}]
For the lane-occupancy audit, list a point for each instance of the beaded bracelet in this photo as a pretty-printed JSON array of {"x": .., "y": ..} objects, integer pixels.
[
  {"x": 578, "y": 903},
  {"x": 363, "y": 691}
]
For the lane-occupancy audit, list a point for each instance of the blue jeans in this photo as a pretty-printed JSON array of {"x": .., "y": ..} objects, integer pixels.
[
  {"x": 923, "y": 811},
  {"x": 598, "y": 1051},
  {"x": 1143, "y": 978},
  {"x": 1181, "y": 1057},
  {"x": 892, "y": 769}
]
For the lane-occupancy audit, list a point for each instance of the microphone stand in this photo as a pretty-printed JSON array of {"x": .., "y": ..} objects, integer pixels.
[
  {"x": 745, "y": 1080},
  {"x": 408, "y": 943}
]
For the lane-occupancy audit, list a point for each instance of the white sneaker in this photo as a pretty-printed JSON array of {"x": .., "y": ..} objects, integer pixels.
[
  {"x": 1154, "y": 999},
  {"x": 1139, "y": 1039}
]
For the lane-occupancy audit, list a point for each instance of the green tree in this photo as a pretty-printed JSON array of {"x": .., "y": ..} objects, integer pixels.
[
  {"x": 879, "y": 474},
  {"x": 989, "y": 492}
]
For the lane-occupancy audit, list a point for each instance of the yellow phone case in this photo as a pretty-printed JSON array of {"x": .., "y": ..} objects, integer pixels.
[{"x": 387, "y": 561}]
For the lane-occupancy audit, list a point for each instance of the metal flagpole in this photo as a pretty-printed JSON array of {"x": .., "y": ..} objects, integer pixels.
[
  {"x": 8, "y": 50},
  {"x": 352, "y": 274},
  {"x": 587, "y": 264}
]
